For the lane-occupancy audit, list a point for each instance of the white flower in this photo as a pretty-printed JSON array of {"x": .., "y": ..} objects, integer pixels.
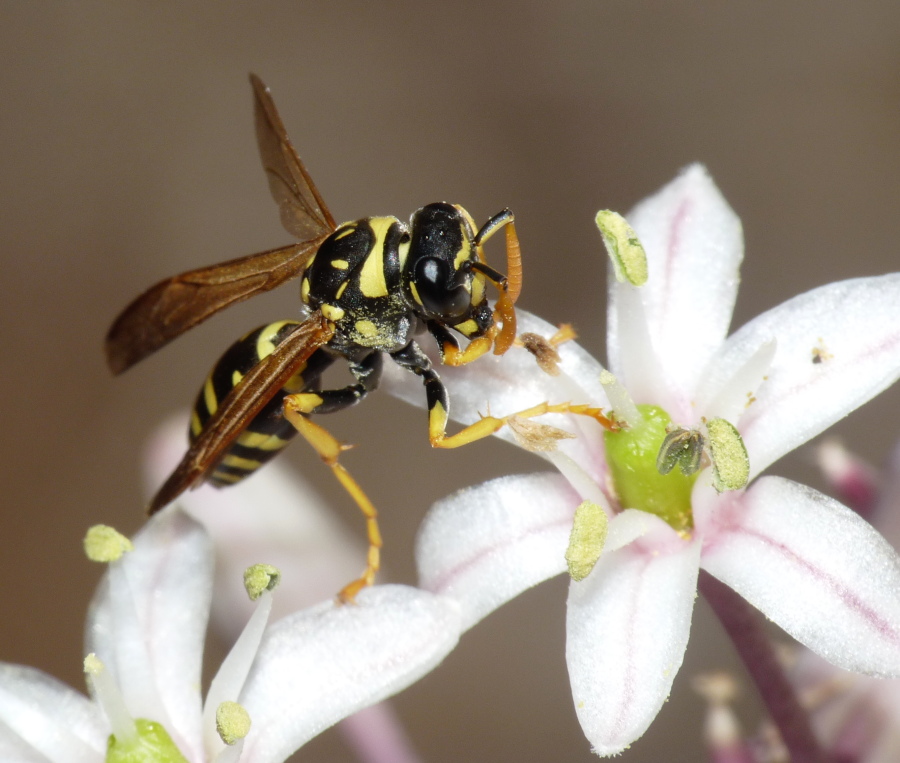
[
  {"x": 856, "y": 717},
  {"x": 277, "y": 515},
  {"x": 274, "y": 516},
  {"x": 806, "y": 561},
  {"x": 294, "y": 678}
]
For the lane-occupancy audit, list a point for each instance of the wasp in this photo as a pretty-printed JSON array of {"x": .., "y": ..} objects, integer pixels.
[{"x": 368, "y": 287}]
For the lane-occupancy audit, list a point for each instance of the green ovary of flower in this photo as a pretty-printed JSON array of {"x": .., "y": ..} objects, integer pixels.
[
  {"x": 152, "y": 744},
  {"x": 631, "y": 455}
]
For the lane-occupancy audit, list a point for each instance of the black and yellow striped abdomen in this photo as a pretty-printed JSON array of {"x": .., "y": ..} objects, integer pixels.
[{"x": 269, "y": 432}]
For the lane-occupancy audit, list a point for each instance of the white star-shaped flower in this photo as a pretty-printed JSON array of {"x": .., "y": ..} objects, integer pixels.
[
  {"x": 806, "y": 561},
  {"x": 145, "y": 632}
]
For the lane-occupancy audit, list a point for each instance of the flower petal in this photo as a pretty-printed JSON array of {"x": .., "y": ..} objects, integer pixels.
[
  {"x": 275, "y": 517},
  {"x": 811, "y": 565},
  {"x": 147, "y": 623},
  {"x": 319, "y": 666},
  {"x": 42, "y": 719},
  {"x": 694, "y": 246},
  {"x": 837, "y": 347},
  {"x": 485, "y": 545},
  {"x": 627, "y": 628}
]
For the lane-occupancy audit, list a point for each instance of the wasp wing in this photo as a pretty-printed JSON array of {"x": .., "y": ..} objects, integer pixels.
[
  {"x": 240, "y": 406},
  {"x": 177, "y": 304},
  {"x": 303, "y": 213}
]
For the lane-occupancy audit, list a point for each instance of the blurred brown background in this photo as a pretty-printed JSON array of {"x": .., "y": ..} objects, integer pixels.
[{"x": 128, "y": 155}]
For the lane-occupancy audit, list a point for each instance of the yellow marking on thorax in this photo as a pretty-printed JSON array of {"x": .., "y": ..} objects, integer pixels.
[
  {"x": 345, "y": 230},
  {"x": 332, "y": 312},
  {"x": 340, "y": 264},
  {"x": 366, "y": 328},
  {"x": 304, "y": 290},
  {"x": 341, "y": 289},
  {"x": 371, "y": 276},
  {"x": 238, "y": 462},
  {"x": 196, "y": 425},
  {"x": 403, "y": 251},
  {"x": 467, "y": 328},
  {"x": 265, "y": 345},
  {"x": 236, "y": 377},
  {"x": 261, "y": 441},
  {"x": 209, "y": 396}
]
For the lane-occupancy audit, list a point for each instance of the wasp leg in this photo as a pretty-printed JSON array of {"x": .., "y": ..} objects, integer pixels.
[
  {"x": 510, "y": 285},
  {"x": 297, "y": 408},
  {"x": 413, "y": 359},
  {"x": 451, "y": 355},
  {"x": 565, "y": 332}
]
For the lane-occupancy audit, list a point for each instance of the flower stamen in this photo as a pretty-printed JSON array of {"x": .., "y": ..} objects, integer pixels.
[
  {"x": 105, "y": 544},
  {"x": 683, "y": 447},
  {"x": 109, "y": 697},
  {"x": 232, "y": 722},
  {"x": 623, "y": 247},
  {"x": 587, "y": 539},
  {"x": 731, "y": 464},
  {"x": 624, "y": 411},
  {"x": 260, "y": 580}
]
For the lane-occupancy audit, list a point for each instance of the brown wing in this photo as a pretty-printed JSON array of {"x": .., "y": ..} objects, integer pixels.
[
  {"x": 176, "y": 304},
  {"x": 303, "y": 213},
  {"x": 241, "y": 405}
]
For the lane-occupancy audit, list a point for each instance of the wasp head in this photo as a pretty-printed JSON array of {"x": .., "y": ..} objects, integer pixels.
[{"x": 439, "y": 279}]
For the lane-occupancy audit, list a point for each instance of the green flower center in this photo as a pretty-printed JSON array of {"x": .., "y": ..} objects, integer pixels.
[
  {"x": 632, "y": 458},
  {"x": 151, "y": 744}
]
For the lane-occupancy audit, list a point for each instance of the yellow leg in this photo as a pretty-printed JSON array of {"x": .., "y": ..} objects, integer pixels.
[
  {"x": 451, "y": 355},
  {"x": 565, "y": 333},
  {"x": 510, "y": 285},
  {"x": 487, "y": 425},
  {"x": 329, "y": 449}
]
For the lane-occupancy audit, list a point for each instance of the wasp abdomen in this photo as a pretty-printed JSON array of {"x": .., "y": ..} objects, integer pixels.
[{"x": 269, "y": 432}]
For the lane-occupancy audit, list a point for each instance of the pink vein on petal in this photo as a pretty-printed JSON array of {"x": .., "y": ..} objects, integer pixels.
[
  {"x": 629, "y": 679},
  {"x": 673, "y": 245},
  {"x": 850, "y": 599},
  {"x": 755, "y": 412},
  {"x": 440, "y": 584}
]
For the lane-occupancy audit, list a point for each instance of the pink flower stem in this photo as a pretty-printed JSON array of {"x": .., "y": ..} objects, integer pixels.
[{"x": 745, "y": 627}]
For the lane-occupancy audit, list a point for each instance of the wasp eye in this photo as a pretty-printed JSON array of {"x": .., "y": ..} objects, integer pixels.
[{"x": 434, "y": 284}]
